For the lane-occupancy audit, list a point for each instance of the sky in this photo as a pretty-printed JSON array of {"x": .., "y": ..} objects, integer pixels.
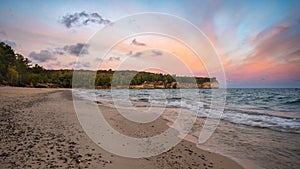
[{"x": 256, "y": 42}]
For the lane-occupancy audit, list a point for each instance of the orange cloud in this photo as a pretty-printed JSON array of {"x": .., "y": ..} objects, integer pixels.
[{"x": 275, "y": 56}]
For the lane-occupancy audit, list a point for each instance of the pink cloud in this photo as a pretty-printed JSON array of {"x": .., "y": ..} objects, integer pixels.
[{"x": 275, "y": 56}]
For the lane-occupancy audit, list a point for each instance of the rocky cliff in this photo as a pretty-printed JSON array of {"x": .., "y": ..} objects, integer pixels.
[{"x": 173, "y": 85}]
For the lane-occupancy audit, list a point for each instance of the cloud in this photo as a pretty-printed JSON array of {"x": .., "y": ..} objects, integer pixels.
[
  {"x": 283, "y": 41},
  {"x": 137, "y": 54},
  {"x": 146, "y": 53},
  {"x": 83, "y": 65},
  {"x": 77, "y": 49},
  {"x": 294, "y": 57},
  {"x": 59, "y": 51},
  {"x": 156, "y": 52},
  {"x": 10, "y": 43},
  {"x": 42, "y": 56},
  {"x": 113, "y": 58},
  {"x": 134, "y": 42},
  {"x": 2, "y": 32},
  {"x": 57, "y": 64},
  {"x": 78, "y": 65},
  {"x": 71, "y": 63},
  {"x": 269, "y": 33},
  {"x": 98, "y": 59},
  {"x": 275, "y": 55},
  {"x": 129, "y": 53},
  {"x": 83, "y": 18}
]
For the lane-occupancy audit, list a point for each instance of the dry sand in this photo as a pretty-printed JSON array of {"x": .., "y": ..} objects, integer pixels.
[{"x": 40, "y": 129}]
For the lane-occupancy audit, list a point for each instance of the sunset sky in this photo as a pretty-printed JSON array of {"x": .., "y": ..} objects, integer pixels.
[{"x": 258, "y": 42}]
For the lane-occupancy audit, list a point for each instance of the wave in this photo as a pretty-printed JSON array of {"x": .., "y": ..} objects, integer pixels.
[
  {"x": 276, "y": 123},
  {"x": 143, "y": 99},
  {"x": 174, "y": 98},
  {"x": 296, "y": 102},
  {"x": 248, "y": 114}
]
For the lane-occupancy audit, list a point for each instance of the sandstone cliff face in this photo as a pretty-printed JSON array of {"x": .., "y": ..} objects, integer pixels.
[
  {"x": 209, "y": 85},
  {"x": 173, "y": 85}
]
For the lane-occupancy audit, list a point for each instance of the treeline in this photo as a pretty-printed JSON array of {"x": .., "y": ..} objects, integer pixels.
[
  {"x": 16, "y": 70},
  {"x": 124, "y": 78}
]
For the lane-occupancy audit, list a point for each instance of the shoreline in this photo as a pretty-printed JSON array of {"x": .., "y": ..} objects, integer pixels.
[
  {"x": 191, "y": 139},
  {"x": 250, "y": 145},
  {"x": 45, "y": 121}
]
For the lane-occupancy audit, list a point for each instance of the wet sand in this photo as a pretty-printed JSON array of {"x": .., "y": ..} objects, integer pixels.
[{"x": 40, "y": 129}]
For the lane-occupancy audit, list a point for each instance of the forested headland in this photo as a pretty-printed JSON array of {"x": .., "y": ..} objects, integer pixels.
[{"x": 17, "y": 70}]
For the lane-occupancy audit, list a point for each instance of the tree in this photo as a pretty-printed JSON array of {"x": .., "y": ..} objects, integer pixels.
[
  {"x": 7, "y": 58},
  {"x": 22, "y": 66},
  {"x": 12, "y": 75}
]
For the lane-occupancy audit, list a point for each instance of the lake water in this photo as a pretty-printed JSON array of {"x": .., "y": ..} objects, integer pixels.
[
  {"x": 276, "y": 109},
  {"x": 259, "y": 125}
]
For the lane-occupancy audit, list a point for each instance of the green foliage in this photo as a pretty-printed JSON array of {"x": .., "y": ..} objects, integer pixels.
[
  {"x": 12, "y": 75},
  {"x": 7, "y": 58},
  {"x": 16, "y": 70}
]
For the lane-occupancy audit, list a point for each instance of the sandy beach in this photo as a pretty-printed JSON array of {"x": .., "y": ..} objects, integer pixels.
[{"x": 40, "y": 129}]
